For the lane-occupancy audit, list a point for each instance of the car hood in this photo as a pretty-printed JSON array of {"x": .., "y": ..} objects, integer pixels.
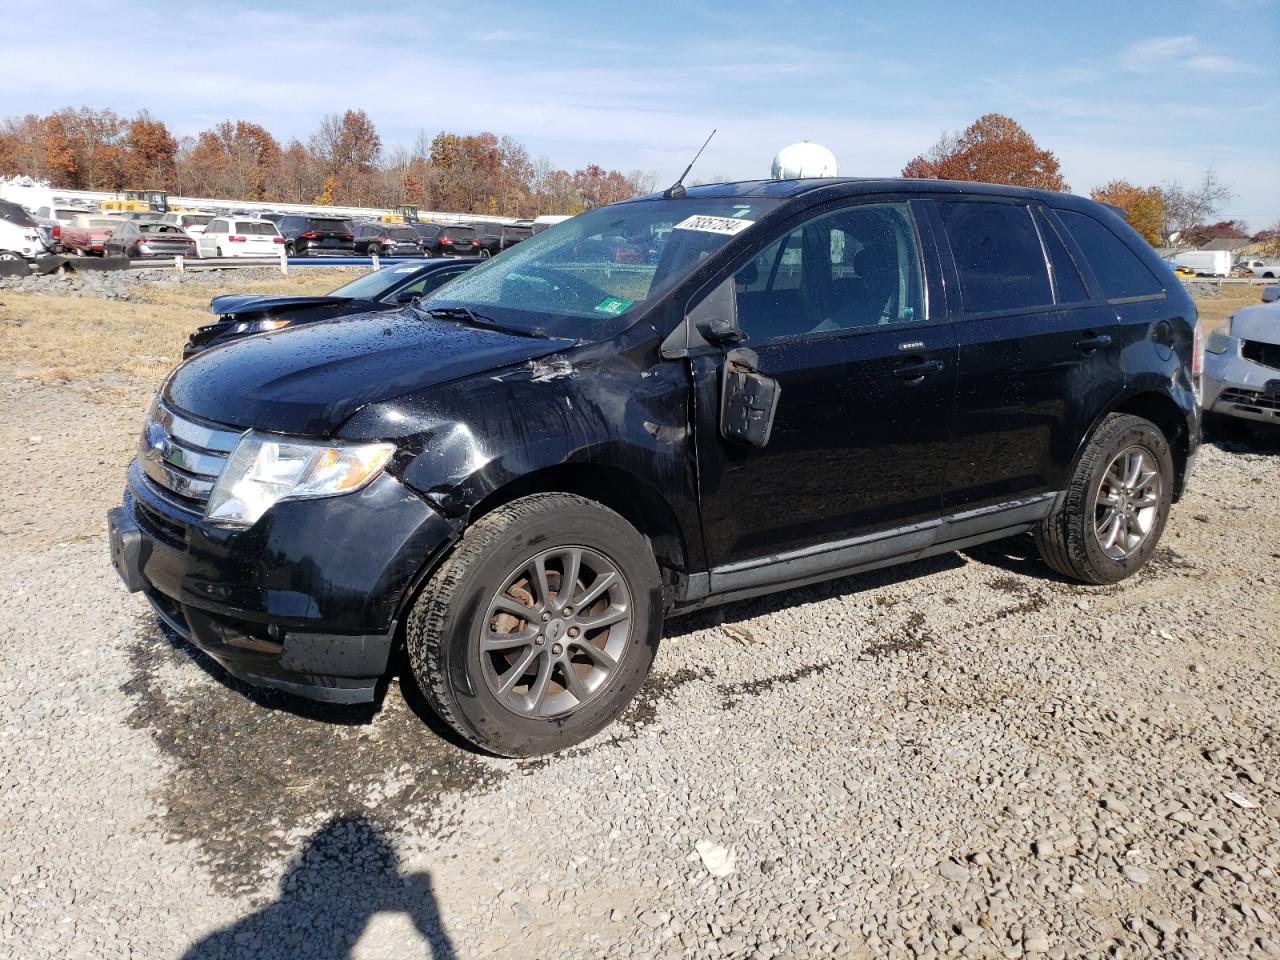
[
  {"x": 237, "y": 304},
  {"x": 1260, "y": 322},
  {"x": 309, "y": 379}
]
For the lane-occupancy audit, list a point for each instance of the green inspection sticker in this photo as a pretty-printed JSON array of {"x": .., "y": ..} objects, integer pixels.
[{"x": 612, "y": 306}]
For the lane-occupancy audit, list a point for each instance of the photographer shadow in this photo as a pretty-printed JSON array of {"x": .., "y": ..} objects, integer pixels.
[{"x": 346, "y": 874}]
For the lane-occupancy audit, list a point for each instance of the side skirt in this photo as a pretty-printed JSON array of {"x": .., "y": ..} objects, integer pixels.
[{"x": 786, "y": 571}]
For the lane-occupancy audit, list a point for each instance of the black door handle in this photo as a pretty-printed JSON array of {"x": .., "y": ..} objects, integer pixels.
[
  {"x": 1093, "y": 342},
  {"x": 914, "y": 371}
]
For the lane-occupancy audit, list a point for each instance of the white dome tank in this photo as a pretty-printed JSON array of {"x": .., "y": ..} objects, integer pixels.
[{"x": 803, "y": 160}]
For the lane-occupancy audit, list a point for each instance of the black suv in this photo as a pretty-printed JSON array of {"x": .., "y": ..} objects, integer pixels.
[
  {"x": 519, "y": 477},
  {"x": 449, "y": 240},
  {"x": 495, "y": 237},
  {"x": 387, "y": 240},
  {"x": 313, "y": 236}
]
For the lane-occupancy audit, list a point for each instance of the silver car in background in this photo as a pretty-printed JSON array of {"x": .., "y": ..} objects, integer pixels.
[{"x": 1242, "y": 363}]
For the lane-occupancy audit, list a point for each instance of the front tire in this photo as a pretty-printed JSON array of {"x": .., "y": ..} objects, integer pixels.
[
  {"x": 509, "y": 657},
  {"x": 1116, "y": 505}
]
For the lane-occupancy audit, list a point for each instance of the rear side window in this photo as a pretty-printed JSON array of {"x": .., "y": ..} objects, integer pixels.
[
  {"x": 1117, "y": 268},
  {"x": 998, "y": 256},
  {"x": 1066, "y": 275}
]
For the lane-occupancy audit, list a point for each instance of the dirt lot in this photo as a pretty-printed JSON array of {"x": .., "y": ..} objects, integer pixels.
[{"x": 964, "y": 756}]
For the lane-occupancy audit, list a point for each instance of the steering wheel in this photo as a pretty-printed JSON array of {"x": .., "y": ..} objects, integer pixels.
[{"x": 565, "y": 284}]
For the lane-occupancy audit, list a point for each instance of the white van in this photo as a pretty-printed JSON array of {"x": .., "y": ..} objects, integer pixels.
[
  {"x": 19, "y": 235},
  {"x": 1205, "y": 263}
]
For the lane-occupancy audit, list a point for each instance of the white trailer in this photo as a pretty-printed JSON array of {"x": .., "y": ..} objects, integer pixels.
[{"x": 1205, "y": 263}]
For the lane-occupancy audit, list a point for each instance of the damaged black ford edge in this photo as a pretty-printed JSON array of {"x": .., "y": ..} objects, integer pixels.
[{"x": 659, "y": 405}]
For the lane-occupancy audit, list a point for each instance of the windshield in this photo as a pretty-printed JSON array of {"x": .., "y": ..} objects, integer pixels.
[
  {"x": 586, "y": 277},
  {"x": 373, "y": 285}
]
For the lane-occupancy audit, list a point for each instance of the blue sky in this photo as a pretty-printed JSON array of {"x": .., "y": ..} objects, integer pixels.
[{"x": 1146, "y": 91}]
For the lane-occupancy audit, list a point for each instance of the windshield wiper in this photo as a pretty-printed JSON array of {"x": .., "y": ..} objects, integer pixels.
[{"x": 478, "y": 320}]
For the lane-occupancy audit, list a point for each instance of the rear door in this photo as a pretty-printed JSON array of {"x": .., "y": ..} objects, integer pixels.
[
  {"x": 837, "y": 312},
  {"x": 1038, "y": 354}
]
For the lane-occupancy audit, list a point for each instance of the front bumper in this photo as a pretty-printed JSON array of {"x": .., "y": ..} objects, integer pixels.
[
  {"x": 305, "y": 601},
  {"x": 1236, "y": 387}
]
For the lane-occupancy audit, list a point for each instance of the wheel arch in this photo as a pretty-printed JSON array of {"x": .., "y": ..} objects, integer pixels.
[
  {"x": 626, "y": 494},
  {"x": 1171, "y": 420}
]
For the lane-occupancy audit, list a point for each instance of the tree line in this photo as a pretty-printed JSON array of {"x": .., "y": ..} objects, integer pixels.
[{"x": 343, "y": 162}]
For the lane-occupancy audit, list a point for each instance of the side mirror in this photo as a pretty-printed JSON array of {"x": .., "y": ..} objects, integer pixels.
[
  {"x": 406, "y": 297},
  {"x": 1270, "y": 294},
  {"x": 748, "y": 399}
]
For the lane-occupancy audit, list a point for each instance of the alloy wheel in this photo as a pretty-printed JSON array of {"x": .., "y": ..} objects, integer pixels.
[
  {"x": 555, "y": 633},
  {"x": 1128, "y": 502}
]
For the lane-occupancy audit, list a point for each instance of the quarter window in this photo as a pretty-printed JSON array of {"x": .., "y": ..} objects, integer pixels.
[
  {"x": 852, "y": 269},
  {"x": 998, "y": 256},
  {"x": 1117, "y": 268},
  {"x": 1066, "y": 275}
]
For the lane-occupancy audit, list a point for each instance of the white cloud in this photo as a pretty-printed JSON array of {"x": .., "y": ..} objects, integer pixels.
[{"x": 1170, "y": 55}]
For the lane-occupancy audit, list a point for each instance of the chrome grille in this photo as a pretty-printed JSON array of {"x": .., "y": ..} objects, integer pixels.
[
  {"x": 183, "y": 456},
  {"x": 1250, "y": 398}
]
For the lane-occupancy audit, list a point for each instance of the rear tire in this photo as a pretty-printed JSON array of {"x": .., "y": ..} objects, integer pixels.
[
  {"x": 502, "y": 679},
  {"x": 289, "y": 251},
  {"x": 1106, "y": 529}
]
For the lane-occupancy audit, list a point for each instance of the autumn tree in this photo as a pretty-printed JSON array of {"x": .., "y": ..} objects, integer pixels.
[
  {"x": 1201, "y": 233},
  {"x": 234, "y": 160},
  {"x": 993, "y": 149},
  {"x": 348, "y": 148},
  {"x": 150, "y": 157},
  {"x": 1143, "y": 207}
]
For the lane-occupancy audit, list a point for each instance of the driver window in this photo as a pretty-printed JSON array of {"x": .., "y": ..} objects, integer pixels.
[{"x": 851, "y": 269}]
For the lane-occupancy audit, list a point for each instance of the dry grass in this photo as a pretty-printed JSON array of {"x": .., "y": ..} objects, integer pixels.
[
  {"x": 1214, "y": 310},
  {"x": 56, "y": 337},
  {"x": 109, "y": 345}
]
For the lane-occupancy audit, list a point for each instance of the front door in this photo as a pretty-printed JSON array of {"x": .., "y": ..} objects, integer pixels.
[{"x": 837, "y": 314}]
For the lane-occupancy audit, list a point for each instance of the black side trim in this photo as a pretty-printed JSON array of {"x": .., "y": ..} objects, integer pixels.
[{"x": 825, "y": 561}]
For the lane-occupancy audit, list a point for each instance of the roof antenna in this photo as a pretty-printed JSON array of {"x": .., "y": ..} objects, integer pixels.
[{"x": 676, "y": 190}]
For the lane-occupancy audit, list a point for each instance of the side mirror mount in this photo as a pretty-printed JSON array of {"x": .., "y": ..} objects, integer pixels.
[
  {"x": 709, "y": 327},
  {"x": 1270, "y": 294}
]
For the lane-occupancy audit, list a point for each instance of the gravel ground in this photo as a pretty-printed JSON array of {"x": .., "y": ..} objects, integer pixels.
[
  {"x": 123, "y": 284},
  {"x": 964, "y": 756}
]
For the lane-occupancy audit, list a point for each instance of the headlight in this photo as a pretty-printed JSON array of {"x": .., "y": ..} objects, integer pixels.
[
  {"x": 1220, "y": 340},
  {"x": 258, "y": 326},
  {"x": 263, "y": 470}
]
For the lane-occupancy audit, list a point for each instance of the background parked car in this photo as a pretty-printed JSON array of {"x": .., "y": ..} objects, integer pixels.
[
  {"x": 192, "y": 224},
  {"x": 387, "y": 240},
  {"x": 495, "y": 237},
  {"x": 1262, "y": 268},
  {"x": 19, "y": 235},
  {"x": 312, "y": 236},
  {"x": 448, "y": 240},
  {"x": 89, "y": 233},
  {"x": 148, "y": 238},
  {"x": 385, "y": 289},
  {"x": 235, "y": 237},
  {"x": 50, "y": 231},
  {"x": 1242, "y": 364}
]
